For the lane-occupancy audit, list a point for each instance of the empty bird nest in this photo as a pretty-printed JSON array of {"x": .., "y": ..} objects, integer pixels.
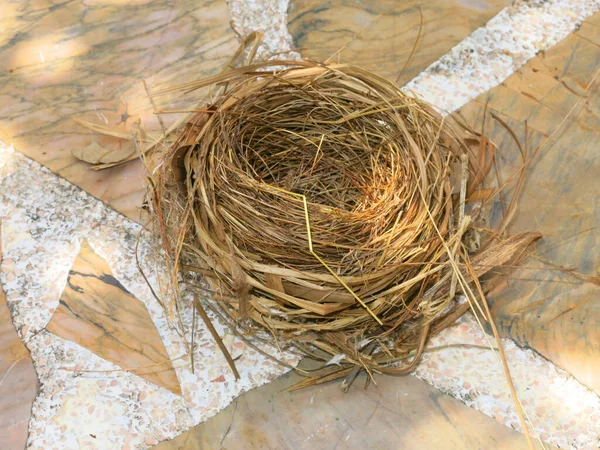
[{"x": 331, "y": 213}]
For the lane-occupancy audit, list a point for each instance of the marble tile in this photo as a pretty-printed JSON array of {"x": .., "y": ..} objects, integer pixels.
[
  {"x": 381, "y": 35},
  {"x": 398, "y": 413},
  {"x": 548, "y": 310},
  {"x": 18, "y": 380},
  {"x": 60, "y": 60},
  {"x": 97, "y": 312}
]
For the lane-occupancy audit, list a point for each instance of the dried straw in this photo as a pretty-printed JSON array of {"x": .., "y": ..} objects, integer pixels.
[{"x": 327, "y": 208}]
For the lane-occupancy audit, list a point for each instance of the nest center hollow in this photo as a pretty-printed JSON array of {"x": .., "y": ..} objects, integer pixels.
[
  {"x": 327, "y": 152},
  {"x": 363, "y": 164}
]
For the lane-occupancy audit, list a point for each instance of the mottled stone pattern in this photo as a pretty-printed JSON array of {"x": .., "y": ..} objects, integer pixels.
[
  {"x": 18, "y": 380},
  {"x": 398, "y": 413},
  {"x": 553, "y": 312},
  {"x": 381, "y": 35},
  {"x": 87, "y": 60},
  {"x": 97, "y": 312},
  {"x": 85, "y": 401}
]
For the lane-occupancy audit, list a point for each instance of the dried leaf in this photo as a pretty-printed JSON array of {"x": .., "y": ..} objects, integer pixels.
[{"x": 94, "y": 153}]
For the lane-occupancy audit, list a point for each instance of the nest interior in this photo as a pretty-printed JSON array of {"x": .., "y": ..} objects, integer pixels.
[{"x": 327, "y": 208}]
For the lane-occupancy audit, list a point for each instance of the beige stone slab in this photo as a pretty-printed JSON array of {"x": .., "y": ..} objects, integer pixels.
[
  {"x": 97, "y": 312},
  {"x": 401, "y": 412},
  {"x": 87, "y": 60},
  {"x": 381, "y": 35}
]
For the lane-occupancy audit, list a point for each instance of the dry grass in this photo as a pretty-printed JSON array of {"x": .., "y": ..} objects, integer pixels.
[{"x": 327, "y": 208}]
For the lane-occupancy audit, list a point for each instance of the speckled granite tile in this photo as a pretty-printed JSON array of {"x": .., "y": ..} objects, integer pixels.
[
  {"x": 85, "y": 401},
  {"x": 268, "y": 17}
]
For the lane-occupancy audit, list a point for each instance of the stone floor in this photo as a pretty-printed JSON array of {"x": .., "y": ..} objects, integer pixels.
[
  {"x": 78, "y": 301},
  {"x": 398, "y": 413}
]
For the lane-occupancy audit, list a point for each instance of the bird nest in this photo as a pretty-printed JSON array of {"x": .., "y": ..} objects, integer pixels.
[{"x": 327, "y": 210}]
